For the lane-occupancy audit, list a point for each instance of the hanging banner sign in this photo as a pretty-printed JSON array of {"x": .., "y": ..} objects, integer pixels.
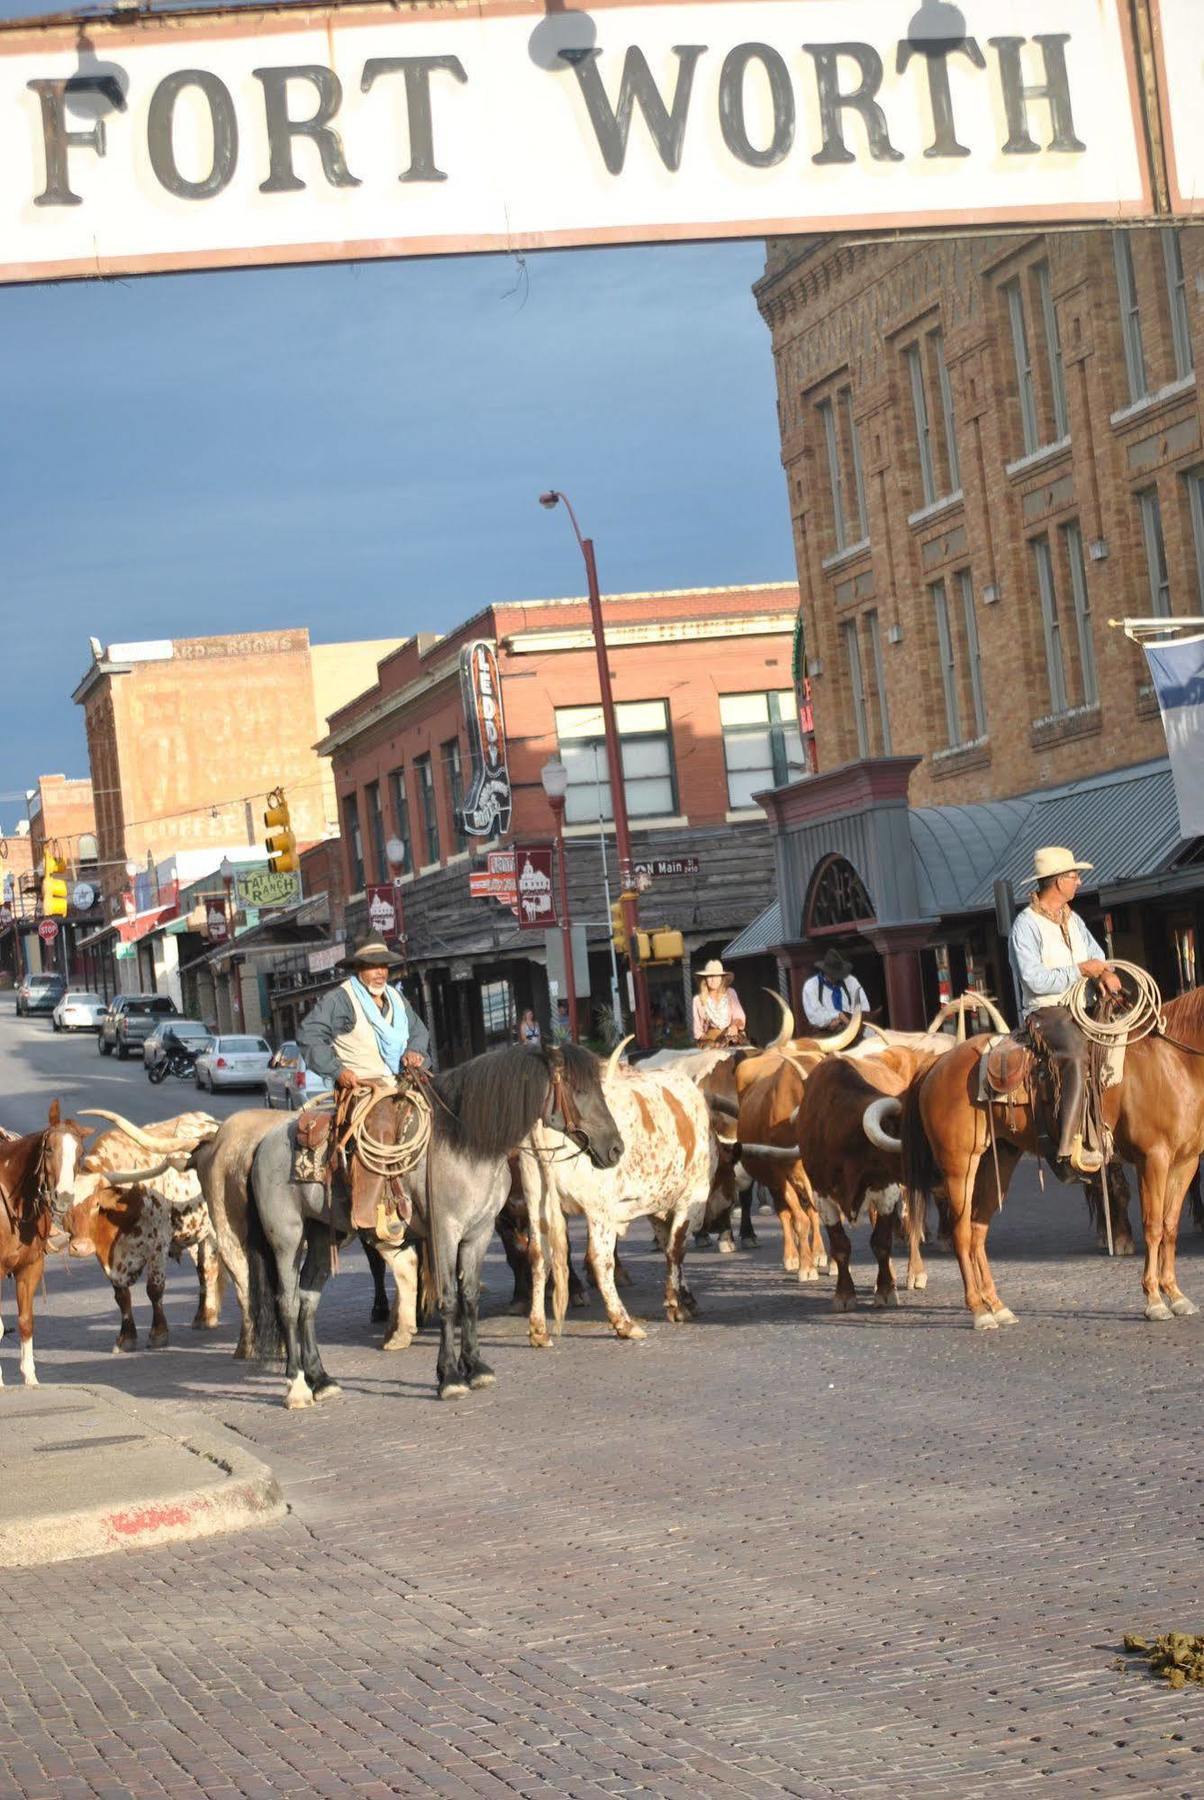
[
  {"x": 1177, "y": 671},
  {"x": 217, "y": 924},
  {"x": 261, "y": 888},
  {"x": 1179, "y": 46},
  {"x": 486, "y": 811},
  {"x": 225, "y": 139},
  {"x": 382, "y": 908},
  {"x": 536, "y": 898}
]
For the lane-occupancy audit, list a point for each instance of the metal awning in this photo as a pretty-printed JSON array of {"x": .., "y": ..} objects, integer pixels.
[{"x": 758, "y": 939}]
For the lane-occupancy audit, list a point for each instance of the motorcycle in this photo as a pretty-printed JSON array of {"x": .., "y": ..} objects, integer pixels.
[{"x": 177, "y": 1060}]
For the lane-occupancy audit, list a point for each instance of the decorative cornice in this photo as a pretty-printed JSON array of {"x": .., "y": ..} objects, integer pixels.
[{"x": 852, "y": 788}]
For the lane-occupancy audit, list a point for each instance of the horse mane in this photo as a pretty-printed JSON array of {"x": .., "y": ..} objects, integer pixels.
[
  {"x": 491, "y": 1103},
  {"x": 20, "y": 1158},
  {"x": 1185, "y": 1015}
]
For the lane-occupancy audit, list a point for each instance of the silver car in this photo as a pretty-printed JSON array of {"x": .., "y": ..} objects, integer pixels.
[
  {"x": 78, "y": 1011},
  {"x": 290, "y": 1082},
  {"x": 230, "y": 1061}
]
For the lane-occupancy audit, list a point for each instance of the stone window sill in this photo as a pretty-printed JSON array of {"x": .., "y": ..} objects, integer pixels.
[
  {"x": 1163, "y": 396},
  {"x": 1064, "y": 728},
  {"x": 739, "y": 814},
  {"x": 959, "y": 759},
  {"x": 1036, "y": 458},
  {"x": 926, "y": 514},
  {"x": 850, "y": 553}
]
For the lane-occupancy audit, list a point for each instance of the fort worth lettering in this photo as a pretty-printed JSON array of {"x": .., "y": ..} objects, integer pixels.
[{"x": 839, "y": 85}]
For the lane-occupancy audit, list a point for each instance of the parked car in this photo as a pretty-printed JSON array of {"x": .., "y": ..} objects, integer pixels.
[
  {"x": 192, "y": 1033},
  {"x": 130, "y": 1020},
  {"x": 78, "y": 1011},
  {"x": 232, "y": 1061},
  {"x": 39, "y": 994},
  {"x": 289, "y": 1081}
]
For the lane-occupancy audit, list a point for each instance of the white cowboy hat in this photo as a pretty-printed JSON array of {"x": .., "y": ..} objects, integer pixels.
[
  {"x": 715, "y": 967},
  {"x": 1054, "y": 860}
]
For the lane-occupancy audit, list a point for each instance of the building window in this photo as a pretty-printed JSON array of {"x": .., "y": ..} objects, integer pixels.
[
  {"x": 879, "y": 669},
  {"x": 1072, "y": 548},
  {"x": 854, "y": 443},
  {"x": 1034, "y": 430},
  {"x": 497, "y": 1013},
  {"x": 965, "y": 582},
  {"x": 852, "y": 651},
  {"x": 647, "y": 752},
  {"x": 428, "y": 806},
  {"x": 401, "y": 815},
  {"x": 762, "y": 747},
  {"x": 1176, "y": 293},
  {"x": 354, "y": 843},
  {"x": 948, "y": 665},
  {"x": 1130, "y": 315},
  {"x": 455, "y": 791},
  {"x": 1053, "y": 352},
  {"x": 1052, "y": 626},
  {"x": 835, "y": 479},
  {"x": 376, "y": 831},
  {"x": 927, "y": 374},
  {"x": 1025, "y": 385},
  {"x": 846, "y": 480},
  {"x": 1195, "y": 501},
  {"x": 1155, "y": 553}
]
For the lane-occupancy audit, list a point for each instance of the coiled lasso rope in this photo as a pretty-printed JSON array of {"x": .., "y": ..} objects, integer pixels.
[
  {"x": 378, "y": 1156},
  {"x": 1137, "y": 1021}
]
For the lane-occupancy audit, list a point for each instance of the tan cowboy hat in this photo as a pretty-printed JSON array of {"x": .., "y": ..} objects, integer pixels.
[
  {"x": 373, "y": 953},
  {"x": 1054, "y": 860},
  {"x": 715, "y": 967}
]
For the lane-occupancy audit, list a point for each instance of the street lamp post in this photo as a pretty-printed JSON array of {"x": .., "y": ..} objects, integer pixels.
[
  {"x": 227, "y": 874},
  {"x": 618, "y": 798},
  {"x": 555, "y": 778}
]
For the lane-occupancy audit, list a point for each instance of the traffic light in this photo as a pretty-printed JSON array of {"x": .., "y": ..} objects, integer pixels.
[
  {"x": 618, "y": 928},
  {"x": 667, "y": 946},
  {"x": 280, "y": 842},
  {"x": 54, "y": 888}
]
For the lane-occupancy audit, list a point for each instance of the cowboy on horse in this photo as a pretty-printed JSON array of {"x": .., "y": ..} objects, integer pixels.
[{"x": 1051, "y": 950}]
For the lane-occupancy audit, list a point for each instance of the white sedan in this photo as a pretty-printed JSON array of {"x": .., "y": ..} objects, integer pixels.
[
  {"x": 78, "y": 1011},
  {"x": 230, "y": 1062},
  {"x": 290, "y": 1082}
]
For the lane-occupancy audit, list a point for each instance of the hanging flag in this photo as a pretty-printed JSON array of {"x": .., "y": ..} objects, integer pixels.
[{"x": 1177, "y": 671}]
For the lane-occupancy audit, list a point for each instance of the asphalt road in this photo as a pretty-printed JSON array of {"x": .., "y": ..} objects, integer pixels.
[{"x": 779, "y": 1551}]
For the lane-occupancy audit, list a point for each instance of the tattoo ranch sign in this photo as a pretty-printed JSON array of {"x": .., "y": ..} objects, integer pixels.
[{"x": 226, "y": 139}]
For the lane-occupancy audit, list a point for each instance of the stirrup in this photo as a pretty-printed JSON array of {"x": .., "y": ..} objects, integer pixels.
[
  {"x": 1083, "y": 1160},
  {"x": 389, "y": 1228}
]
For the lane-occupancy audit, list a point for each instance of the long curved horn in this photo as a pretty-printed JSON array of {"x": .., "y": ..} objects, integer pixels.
[
  {"x": 143, "y": 1140},
  {"x": 139, "y": 1177},
  {"x": 770, "y": 1152},
  {"x": 872, "y": 1119},
  {"x": 613, "y": 1060},
  {"x": 721, "y": 1104},
  {"x": 832, "y": 1046},
  {"x": 993, "y": 1013},
  {"x": 786, "y": 1028}
]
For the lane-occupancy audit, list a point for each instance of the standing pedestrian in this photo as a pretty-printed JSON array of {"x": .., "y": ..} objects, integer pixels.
[{"x": 528, "y": 1030}]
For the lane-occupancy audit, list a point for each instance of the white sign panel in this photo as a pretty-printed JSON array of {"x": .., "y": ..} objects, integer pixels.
[
  {"x": 1179, "y": 42},
  {"x": 240, "y": 138}
]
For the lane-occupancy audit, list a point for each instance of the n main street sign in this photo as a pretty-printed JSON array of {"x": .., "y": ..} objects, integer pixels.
[{"x": 223, "y": 139}]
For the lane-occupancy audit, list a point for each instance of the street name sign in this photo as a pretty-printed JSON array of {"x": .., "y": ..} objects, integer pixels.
[
  {"x": 234, "y": 137},
  {"x": 661, "y": 866}
]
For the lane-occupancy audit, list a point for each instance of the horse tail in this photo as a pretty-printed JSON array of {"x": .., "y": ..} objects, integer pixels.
[
  {"x": 263, "y": 1282},
  {"x": 558, "y": 1239},
  {"x": 921, "y": 1172}
]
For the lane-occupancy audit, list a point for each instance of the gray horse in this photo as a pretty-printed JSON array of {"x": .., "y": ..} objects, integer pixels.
[{"x": 482, "y": 1113}]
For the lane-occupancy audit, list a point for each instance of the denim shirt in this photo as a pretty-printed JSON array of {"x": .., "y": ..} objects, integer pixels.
[{"x": 1037, "y": 982}]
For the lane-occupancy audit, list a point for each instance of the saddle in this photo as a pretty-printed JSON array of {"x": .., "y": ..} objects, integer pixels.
[
  {"x": 1005, "y": 1070},
  {"x": 326, "y": 1151}
]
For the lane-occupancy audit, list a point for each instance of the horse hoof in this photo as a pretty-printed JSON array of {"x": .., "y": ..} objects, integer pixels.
[
  {"x": 1183, "y": 1308},
  {"x": 484, "y": 1378},
  {"x": 986, "y": 1322},
  {"x": 1003, "y": 1315},
  {"x": 749, "y": 1240},
  {"x": 329, "y": 1390},
  {"x": 453, "y": 1390},
  {"x": 844, "y": 1302},
  {"x": 631, "y": 1330},
  {"x": 298, "y": 1395},
  {"x": 726, "y": 1247},
  {"x": 400, "y": 1340},
  {"x": 888, "y": 1298},
  {"x": 1158, "y": 1312},
  {"x": 791, "y": 1268},
  {"x": 822, "y": 1264},
  {"x": 918, "y": 1281},
  {"x": 379, "y": 1313},
  {"x": 124, "y": 1344},
  {"x": 808, "y": 1274},
  {"x": 1123, "y": 1247},
  {"x": 157, "y": 1340}
]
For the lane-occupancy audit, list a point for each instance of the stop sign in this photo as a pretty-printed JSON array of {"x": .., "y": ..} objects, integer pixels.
[{"x": 48, "y": 930}]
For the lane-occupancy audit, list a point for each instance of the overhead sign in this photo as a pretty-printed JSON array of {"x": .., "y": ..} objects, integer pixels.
[
  {"x": 48, "y": 930},
  {"x": 234, "y": 138},
  {"x": 484, "y": 886},
  {"x": 83, "y": 896},
  {"x": 262, "y": 888},
  {"x": 217, "y": 925},
  {"x": 664, "y": 866},
  {"x": 1179, "y": 45},
  {"x": 536, "y": 897},
  {"x": 486, "y": 810}
]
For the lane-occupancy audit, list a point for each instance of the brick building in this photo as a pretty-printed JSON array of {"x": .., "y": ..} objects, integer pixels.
[
  {"x": 17, "y": 896},
  {"x": 992, "y": 446},
  {"x": 706, "y": 712},
  {"x": 185, "y": 738},
  {"x": 62, "y": 816}
]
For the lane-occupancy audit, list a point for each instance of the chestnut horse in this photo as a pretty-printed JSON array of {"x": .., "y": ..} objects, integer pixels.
[
  {"x": 37, "y": 1185},
  {"x": 1155, "y": 1114}
]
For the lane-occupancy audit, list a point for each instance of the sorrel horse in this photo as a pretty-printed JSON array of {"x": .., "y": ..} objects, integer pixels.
[
  {"x": 1155, "y": 1114},
  {"x": 482, "y": 1112},
  {"x": 37, "y": 1185}
]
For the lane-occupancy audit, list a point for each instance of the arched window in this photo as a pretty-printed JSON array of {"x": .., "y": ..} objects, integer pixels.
[{"x": 837, "y": 899}]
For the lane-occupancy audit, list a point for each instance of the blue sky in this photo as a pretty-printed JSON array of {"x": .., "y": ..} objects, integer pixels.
[{"x": 360, "y": 449}]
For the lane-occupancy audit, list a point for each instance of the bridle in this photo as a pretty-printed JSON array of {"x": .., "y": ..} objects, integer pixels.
[
  {"x": 560, "y": 1100},
  {"x": 43, "y": 1192}
]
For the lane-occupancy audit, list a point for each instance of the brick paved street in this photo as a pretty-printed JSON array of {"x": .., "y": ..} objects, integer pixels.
[{"x": 780, "y": 1551}]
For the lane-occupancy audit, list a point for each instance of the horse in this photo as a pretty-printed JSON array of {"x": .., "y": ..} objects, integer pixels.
[
  {"x": 37, "y": 1186},
  {"x": 1155, "y": 1114},
  {"x": 482, "y": 1112}
]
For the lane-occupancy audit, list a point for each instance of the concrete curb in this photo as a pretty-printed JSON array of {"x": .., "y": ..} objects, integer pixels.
[{"x": 226, "y": 1489}]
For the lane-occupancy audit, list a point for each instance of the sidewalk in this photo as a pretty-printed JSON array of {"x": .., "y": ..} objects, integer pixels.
[{"x": 87, "y": 1470}]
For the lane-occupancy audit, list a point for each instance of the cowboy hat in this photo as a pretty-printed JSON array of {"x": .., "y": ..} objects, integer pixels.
[
  {"x": 835, "y": 966},
  {"x": 373, "y": 953},
  {"x": 1053, "y": 860},
  {"x": 715, "y": 967}
]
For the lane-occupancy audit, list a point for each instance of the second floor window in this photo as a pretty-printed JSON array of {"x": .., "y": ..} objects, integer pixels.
[
  {"x": 1195, "y": 502},
  {"x": 1176, "y": 295},
  {"x": 455, "y": 790},
  {"x": 1130, "y": 315},
  {"x": 1033, "y": 320},
  {"x": 376, "y": 828},
  {"x": 932, "y": 408},
  {"x": 846, "y": 480},
  {"x": 354, "y": 843},
  {"x": 1066, "y": 618},
  {"x": 646, "y": 748},
  {"x": 425, "y": 776},
  {"x": 1157, "y": 568},
  {"x": 401, "y": 816},
  {"x": 762, "y": 747}
]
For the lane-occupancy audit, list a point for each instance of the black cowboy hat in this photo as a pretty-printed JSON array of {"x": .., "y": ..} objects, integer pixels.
[
  {"x": 373, "y": 953},
  {"x": 835, "y": 966}
]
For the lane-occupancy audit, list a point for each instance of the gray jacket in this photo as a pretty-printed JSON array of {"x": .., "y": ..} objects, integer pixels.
[{"x": 335, "y": 1014}]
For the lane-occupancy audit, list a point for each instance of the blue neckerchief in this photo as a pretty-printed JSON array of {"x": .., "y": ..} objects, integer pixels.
[
  {"x": 835, "y": 989},
  {"x": 393, "y": 1033}
]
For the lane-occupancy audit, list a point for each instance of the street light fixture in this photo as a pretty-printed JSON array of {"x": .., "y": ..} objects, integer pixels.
[
  {"x": 614, "y": 763},
  {"x": 395, "y": 855},
  {"x": 555, "y": 779}
]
